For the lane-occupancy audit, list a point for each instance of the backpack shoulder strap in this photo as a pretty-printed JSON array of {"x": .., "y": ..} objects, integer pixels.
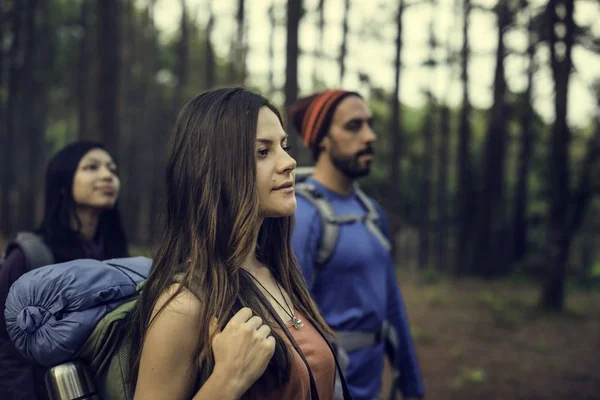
[
  {"x": 36, "y": 252},
  {"x": 373, "y": 220},
  {"x": 329, "y": 228}
]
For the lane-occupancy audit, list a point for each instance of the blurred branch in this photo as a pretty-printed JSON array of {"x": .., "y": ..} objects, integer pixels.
[
  {"x": 589, "y": 43},
  {"x": 416, "y": 3},
  {"x": 480, "y": 7}
]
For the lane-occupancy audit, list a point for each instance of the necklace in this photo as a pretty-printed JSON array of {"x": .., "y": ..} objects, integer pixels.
[{"x": 296, "y": 322}]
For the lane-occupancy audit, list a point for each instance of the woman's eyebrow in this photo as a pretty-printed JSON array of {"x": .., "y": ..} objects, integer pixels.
[
  {"x": 270, "y": 141},
  {"x": 264, "y": 141}
]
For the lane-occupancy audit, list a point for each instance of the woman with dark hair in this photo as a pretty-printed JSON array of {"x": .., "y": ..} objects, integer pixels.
[
  {"x": 81, "y": 217},
  {"x": 81, "y": 220},
  {"x": 225, "y": 313}
]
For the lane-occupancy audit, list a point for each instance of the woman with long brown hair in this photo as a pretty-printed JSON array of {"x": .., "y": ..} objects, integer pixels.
[{"x": 225, "y": 313}]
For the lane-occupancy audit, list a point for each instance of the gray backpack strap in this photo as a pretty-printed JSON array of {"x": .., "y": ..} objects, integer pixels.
[
  {"x": 392, "y": 347},
  {"x": 330, "y": 229},
  {"x": 36, "y": 252},
  {"x": 373, "y": 219}
]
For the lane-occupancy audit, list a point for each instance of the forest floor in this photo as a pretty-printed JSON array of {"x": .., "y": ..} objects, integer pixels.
[{"x": 487, "y": 340}]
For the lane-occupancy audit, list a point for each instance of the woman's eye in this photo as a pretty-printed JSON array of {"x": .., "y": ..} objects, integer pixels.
[
  {"x": 91, "y": 167},
  {"x": 287, "y": 148},
  {"x": 263, "y": 153}
]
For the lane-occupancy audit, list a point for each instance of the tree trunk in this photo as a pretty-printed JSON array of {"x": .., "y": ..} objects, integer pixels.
[
  {"x": 272, "y": 28},
  {"x": 237, "y": 72},
  {"x": 182, "y": 62},
  {"x": 317, "y": 75},
  {"x": 83, "y": 76},
  {"x": 44, "y": 58},
  {"x": 426, "y": 173},
  {"x": 294, "y": 13},
  {"x": 211, "y": 80},
  {"x": 527, "y": 136},
  {"x": 25, "y": 134},
  {"x": 465, "y": 195},
  {"x": 553, "y": 293},
  {"x": 12, "y": 105},
  {"x": 396, "y": 134},
  {"x": 4, "y": 146},
  {"x": 442, "y": 190},
  {"x": 491, "y": 250},
  {"x": 158, "y": 125},
  {"x": 427, "y": 158},
  {"x": 108, "y": 73},
  {"x": 344, "y": 45}
]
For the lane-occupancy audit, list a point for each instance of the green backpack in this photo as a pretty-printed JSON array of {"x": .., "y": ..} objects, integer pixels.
[{"x": 107, "y": 350}]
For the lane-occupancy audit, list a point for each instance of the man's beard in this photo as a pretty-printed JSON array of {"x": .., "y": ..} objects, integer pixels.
[{"x": 350, "y": 165}]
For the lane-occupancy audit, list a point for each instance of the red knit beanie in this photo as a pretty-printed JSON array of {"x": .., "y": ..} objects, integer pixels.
[{"x": 311, "y": 116}]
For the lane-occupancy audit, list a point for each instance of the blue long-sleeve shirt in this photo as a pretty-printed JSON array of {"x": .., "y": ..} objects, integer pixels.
[{"x": 356, "y": 291}]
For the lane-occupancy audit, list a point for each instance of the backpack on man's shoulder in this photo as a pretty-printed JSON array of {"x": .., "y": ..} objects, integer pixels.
[
  {"x": 36, "y": 251},
  {"x": 330, "y": 222}
]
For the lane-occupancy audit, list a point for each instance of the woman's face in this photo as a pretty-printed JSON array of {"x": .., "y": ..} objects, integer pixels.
[
  {"x": 275, "y": 168},
  {"x": 96, "y": 184}
]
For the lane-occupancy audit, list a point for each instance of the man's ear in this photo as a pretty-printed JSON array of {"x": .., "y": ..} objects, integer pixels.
[{"x": 325, "y": 143}]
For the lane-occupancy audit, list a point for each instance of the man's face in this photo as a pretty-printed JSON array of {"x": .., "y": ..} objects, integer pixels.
[{"x": 350, "y": 141}]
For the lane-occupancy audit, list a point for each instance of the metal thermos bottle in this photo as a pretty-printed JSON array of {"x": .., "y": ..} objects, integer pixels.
[{"x": 70, "y": 381}]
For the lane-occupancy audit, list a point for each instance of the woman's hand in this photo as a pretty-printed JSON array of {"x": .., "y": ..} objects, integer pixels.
[{"x": 242, "y": 350}]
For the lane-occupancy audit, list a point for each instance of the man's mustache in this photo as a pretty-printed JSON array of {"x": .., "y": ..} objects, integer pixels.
[{"x": 369, "y": 151}]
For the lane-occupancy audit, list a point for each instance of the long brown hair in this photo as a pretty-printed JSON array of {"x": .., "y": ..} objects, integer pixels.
[{"x": 210, "y": 220}]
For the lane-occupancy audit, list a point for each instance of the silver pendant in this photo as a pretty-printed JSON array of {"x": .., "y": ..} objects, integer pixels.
[{"x": 297, "y": 322}]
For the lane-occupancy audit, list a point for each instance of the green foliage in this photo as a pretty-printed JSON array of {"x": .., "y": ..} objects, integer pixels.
[
  {"x": 429, "y": 276},
  {"x": 469, "y": 376},
  {"x": 474, "y": 375},
  {"x": 436, "y": 299},
  {"x": 505, "y": 313},
  {"x": 421, "y": 336}
]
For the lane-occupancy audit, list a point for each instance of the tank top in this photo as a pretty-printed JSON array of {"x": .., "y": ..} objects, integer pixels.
[{"x": 319, "y": 357}]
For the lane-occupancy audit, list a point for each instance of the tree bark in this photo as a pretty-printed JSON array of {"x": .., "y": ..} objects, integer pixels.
[
  {"x": 427, "y": 159},
  {"x": 317, "y": 75},
  {"x": 4, "y": 145},
  {"x": 211, "y": 79},
  {"x": 396, "y": 132},
  {"x": 553, "y": 293},
  {"x": 237, "y": 72},
  {"x": 491, "y": 244},
  {"x": 108, "y": 73},
  {"x": 83, "y": 77},
  {"x": 12, "y": 105},
  {"x": 294, "y": 13},
  {"x": 43, "y": 51},
  {"x": 183, "y": 56},
  {"x": 465, "y": 195},
  {"x": 26, "y": 140},
  {"x": 344, "y": 45},
  {"x": 442, "y": 190},
  {"x": 527, "y": 136}
]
